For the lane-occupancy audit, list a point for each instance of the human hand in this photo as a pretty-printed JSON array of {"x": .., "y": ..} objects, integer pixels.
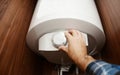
[
  {"x": 76, "y": 45},
  {"x": 76, "y": 49}
]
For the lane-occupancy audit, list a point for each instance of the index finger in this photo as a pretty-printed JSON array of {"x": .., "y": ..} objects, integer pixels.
[
  {"x": 68, "y": 35},
  {"x": 73, "y": 32}
]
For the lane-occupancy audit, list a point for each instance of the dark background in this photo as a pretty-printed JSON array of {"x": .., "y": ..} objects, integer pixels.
[{"x": 15, "y": 56}]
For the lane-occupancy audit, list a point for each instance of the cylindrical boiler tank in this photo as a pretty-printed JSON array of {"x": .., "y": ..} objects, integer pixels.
[{"x": 51, "y": 16}]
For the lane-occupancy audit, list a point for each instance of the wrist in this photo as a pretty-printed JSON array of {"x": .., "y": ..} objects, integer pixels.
[{"x": 84, "y": 62}]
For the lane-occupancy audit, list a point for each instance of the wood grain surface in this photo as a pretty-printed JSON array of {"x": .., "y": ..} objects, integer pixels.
[
  {"x": 17, "y": 59},
  {"x": 110, "y": 15}
]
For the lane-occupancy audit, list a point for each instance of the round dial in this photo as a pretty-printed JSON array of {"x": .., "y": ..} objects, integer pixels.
[{"x": 59, "y": 39}]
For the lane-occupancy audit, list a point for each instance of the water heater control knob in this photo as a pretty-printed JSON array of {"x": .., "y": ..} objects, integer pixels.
[{"x": 59, "y": 39}]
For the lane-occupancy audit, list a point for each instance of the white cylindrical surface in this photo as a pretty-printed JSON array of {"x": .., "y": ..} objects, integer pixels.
[
  {"x": 54, "y": 15},
  {"x": 84, "y": 10}
]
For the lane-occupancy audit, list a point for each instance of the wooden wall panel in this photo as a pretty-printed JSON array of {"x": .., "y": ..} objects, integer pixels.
[
  {"x": 110, "y": 15},
  {"x": 17, "y": 59}
]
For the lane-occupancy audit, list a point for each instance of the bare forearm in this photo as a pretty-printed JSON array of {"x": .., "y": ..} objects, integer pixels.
[{"x": 84, "y": 62}]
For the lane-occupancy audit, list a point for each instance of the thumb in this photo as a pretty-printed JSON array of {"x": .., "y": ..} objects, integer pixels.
[{"x": 65, "y": 49}]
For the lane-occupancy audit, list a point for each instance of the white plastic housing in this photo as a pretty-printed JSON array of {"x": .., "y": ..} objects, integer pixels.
[{"x": 59, "y": 15}]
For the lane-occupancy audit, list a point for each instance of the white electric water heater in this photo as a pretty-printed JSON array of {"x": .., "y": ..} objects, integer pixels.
[{"x": 52, "y": 18}]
